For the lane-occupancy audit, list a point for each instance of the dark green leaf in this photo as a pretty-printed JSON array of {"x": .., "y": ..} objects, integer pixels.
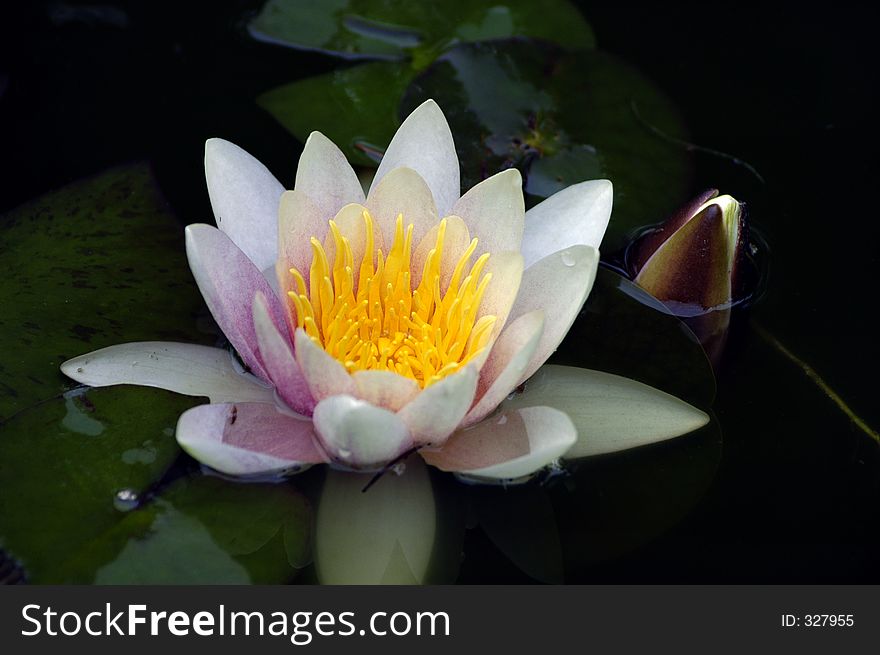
[
  {"x": 95, "y": 263},
  {"x": 623, "y": 330},
  {"x": 617, "y": 503},
  {"x": 355, "y": 107},
  {"x": 396, "y": 28},
  {"x": 561, "y": 118}
]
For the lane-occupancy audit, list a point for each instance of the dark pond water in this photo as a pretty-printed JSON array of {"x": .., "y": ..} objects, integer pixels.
[{"x": 782, "y": 105}]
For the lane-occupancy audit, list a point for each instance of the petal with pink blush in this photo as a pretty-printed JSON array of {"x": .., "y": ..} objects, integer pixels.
[
  {"x": 501, "y": 292},
  {"x": 324, "y": 375},
  {"x": 247, "y": 439},
  {"x": 559, "y": 284},
  {"x": 359, "y": 435},
  {"x": 385, "y": 388},
  {"x": 508, "y": 446},
  {"x": 494, "y": 212},
  {"x": 424, "y": 143},
  {"x": 438, "y": 410},
  {"x": 506, "y": 364},
  {"x": 402, "y": 191},
  {"x": 299, "y": 219},
  {"x": 282, "y": 367},
  {"x": 229, "y": 281},
  {"x": 184, "y": 368},
  {"x": 326, "y": 177},
  {"x": 575, "y": 215},
  {"x": 244, "y": 196}
]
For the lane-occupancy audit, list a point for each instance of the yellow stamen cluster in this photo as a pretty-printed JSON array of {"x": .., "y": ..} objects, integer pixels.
[{"x": 372, "y": 319}]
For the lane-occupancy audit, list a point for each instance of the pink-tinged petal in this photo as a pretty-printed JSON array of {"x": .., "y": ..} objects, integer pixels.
[
  {"x": 507, "y": 362},
  {"x": 611, "y": 413},
  {"x": 438, "y": 410},
  {"x": 247, "y": 439},
  {"x": 324, "y": 375},
  {"x": 326, "y": 177},
  {"x": 424, "y": 143},
  {"x": 578, "y": 214},
  {"x": 229, "y": 281},
  {"x": 351, "y": 224},
  {"x": 494, "y": 212},
  {"x": 501, "y": 293},
  {"x": 299, "y": 219},
  {"x": 244, "y": 195},
  {"x": 508, "y": 446},
  {"x": 559, "y": 284},
  {"x": 455, "y": 242},
  {"x": 184, "y": 368},
  {"x": 280, "y": 363},
  {"x": 385, "y": 389},
  {"x": 402, "y": 191},
  {"x": 359, "y": 435}
]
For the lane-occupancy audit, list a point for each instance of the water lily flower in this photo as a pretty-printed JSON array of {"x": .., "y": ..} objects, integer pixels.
[
  {"x": 372, "y": 326},
  {"x": 693, "y": 261}
]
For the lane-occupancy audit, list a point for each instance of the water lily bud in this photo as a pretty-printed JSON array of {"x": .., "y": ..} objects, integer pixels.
[
  {"x": 693, "y": 258},
  {"x": 692, "y": 264}
]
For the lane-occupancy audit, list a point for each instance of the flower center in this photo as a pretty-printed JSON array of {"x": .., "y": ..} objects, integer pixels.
[{"x": 372, "y": 319}]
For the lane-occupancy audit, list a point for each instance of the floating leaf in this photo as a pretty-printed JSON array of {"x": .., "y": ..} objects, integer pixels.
[
  {"x": 560, "y": 118},
  {"x": 355, "y": 107},
  {"x": 397, "y": 28},
  {"x": 95, "y": 263},
  {"x": 615, "y": 504},
  {"x": 623, "y": 330}
]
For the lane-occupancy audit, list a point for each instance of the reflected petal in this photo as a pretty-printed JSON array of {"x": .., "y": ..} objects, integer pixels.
[{"x": 385, "y": 535}]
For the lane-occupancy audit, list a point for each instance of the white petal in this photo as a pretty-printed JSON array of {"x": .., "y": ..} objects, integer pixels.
[
  {"x": 326, "y": 177},
  {"x": 324, "y": 374},
  {"x": 283, "y": 369},
  {"x": 359, "y": 435},
  {"x": 559, "y": 284},
  {"x": 424, "y": 143},
  {"x": 247, "y": 439},
  {"x": 508, "y": 446},
  {"x": 402, "y": 191},
  {"x": 578, "y": 214},
  {"x": 506, "y": 364},
  {"x": 185, "y": 368},
  {"x": 245, "y": 196},
  {"x": 494, "y": 212},
  {"x": 611, "y": 413},
  {"x": 438, "y": 410},
  {"x": 385, "y": 535},
  {"x": 385, "y": 389}
]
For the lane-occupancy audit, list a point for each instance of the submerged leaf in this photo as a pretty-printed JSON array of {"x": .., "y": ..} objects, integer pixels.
[
  {"x": 397, "y": 28},
  {"x": 560, "y": 118}
]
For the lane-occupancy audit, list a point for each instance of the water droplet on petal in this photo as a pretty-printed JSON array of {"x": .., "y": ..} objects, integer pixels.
[
  {"x": 126, "y": 500},
  {"x": 567, "y": 258}
]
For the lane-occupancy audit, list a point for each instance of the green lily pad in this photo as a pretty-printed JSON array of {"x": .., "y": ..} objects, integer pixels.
[
  {"x": 520, "y": 521},
  {"x": 356, "y": 107},
  {"x": 95, "y": 263},
  {"x": 624, "y": 330},
  {"x": 561, "y": 118},
  {"x": 615, "y": 504},
  {"x": 202, "y": 530},
  {"x": 397, "y": 28}
]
